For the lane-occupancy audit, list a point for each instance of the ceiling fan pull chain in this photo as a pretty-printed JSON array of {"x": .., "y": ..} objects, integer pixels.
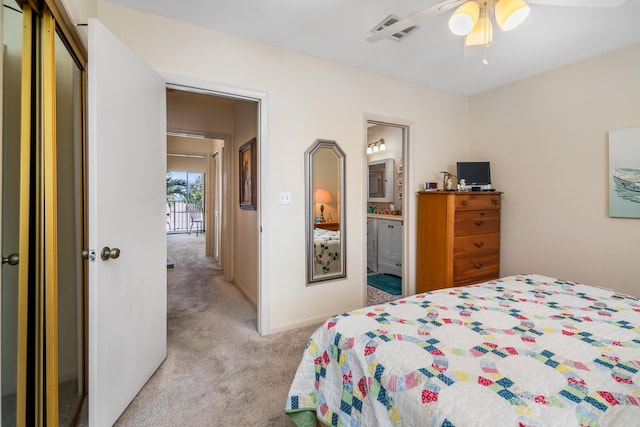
[{"x": 485, "y": 61}]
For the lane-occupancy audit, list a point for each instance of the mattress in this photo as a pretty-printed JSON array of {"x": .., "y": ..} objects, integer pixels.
[{"x": 524, "y": 350}]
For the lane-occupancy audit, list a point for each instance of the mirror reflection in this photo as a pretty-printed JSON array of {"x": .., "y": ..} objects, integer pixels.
[
  {"x": 324, "y": 162},
  {"x": 381, "y": 180}
]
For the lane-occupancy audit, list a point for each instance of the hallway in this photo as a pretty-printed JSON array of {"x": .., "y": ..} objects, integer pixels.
[{"x": 219, "y": 371}]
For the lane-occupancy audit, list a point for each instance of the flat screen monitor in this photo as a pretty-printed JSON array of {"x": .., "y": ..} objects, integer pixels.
[{"x": 475, "y": 174}]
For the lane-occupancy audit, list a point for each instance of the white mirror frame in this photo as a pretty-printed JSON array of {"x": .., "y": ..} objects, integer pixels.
[
  {"x": 388, "y": 184},
  {"x": 313, "y": 276}
]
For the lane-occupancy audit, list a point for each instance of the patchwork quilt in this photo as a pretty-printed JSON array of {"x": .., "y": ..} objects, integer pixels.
[
  {"x": 524, "y": 350},
  {"x": 326, "y": 251}
]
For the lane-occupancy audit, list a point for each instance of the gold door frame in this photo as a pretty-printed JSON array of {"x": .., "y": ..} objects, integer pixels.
[
  {"x": 50, "y": 198},
  {"x": 25, "y": 185}
]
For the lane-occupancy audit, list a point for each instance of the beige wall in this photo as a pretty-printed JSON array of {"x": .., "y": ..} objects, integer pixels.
[
  {"x": 194, "y": 146},
  {"x": 308, "y": 99},
  {"x": 245, "y": 236},
  {"x": 192, "y": 112},
  {"x": 547, "y": 140}
]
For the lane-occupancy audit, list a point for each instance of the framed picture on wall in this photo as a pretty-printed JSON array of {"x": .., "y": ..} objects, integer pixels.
[
  {"x": 624, "y": 173},
  {"x": 247, "y": 175}
]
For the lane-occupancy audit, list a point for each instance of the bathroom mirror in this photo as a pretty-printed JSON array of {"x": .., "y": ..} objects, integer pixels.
[
  {"x": 325, "y": 212},
  {"x": 381, "y": 180}
]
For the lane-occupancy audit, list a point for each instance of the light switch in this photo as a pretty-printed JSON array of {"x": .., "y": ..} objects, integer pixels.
[{"x": 285, "y": 198}]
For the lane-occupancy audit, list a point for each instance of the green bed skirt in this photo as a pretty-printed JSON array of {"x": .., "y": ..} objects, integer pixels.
[{"x": 305, "y": 418}]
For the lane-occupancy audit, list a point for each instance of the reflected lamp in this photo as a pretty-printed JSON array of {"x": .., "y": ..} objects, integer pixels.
[{"x": 322, "y": 197}]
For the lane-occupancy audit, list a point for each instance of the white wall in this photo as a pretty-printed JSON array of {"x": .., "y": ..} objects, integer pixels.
[
  {"x": 547, "y": 140},
  {"x": 308, "y": 99}
]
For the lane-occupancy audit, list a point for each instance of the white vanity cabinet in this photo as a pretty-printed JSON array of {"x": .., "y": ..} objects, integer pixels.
[
  {"x": 389, "y": 246},
  {"x": 372, "y": 244}
]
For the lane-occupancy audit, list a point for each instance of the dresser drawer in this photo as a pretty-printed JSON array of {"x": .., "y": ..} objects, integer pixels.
[
  {"x": 475, "y": 243},
  {"x": 467, "y": 267},
  {"x": 474, "y": 222},
  {"x": 466, "y": 202}
]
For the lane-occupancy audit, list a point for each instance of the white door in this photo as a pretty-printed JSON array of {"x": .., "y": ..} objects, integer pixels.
[{"x": 126, "y": 203}]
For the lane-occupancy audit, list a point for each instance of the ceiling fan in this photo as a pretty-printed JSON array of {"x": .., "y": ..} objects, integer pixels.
[{"x": 472, "y": 18}]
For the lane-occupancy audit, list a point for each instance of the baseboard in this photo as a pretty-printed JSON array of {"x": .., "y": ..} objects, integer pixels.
[
  {"x": 317, "y": 320},
  {"x": 244, "y": 292}
]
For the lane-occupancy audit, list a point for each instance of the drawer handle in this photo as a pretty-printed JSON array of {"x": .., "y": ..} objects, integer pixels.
[
  {"x": 398, "y": 265},
  {"x": 494, "y": 201},
  {"x": 479, "y": 223},
  {"x": 478, "y": 265},
  {"x": 478, "y": 244},
  {"x": 464, "y": 203}
]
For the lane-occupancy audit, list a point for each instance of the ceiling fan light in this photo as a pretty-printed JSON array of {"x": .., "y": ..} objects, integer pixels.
[
  {"x": 482, "y": 33},
  {"x": 511, "y": 13},
  {"x": 464, "y": 18}
]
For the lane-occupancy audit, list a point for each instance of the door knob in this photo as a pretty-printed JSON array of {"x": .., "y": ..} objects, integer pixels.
[
  {"x": 11, "y": 259},
  {"x": 108, "y": 253}
]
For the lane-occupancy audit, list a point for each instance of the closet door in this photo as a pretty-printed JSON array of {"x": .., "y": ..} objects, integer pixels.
[
  {"x": 15, "y": 93},
  {"x": 63, "y": 225}
]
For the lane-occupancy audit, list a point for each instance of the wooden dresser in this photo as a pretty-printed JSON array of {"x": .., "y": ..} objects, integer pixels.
[
  {"x": 328, "y": 225},
  {"x": 458, "y": 240}
]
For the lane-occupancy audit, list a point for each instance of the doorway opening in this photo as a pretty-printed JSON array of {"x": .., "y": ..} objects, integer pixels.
[
  {"x": 205, "y": 130},
  {"x": 386, "y": 149}
]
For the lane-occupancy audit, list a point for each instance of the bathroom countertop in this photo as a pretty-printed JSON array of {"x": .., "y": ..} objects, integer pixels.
[{"x": 385, "y": 216}]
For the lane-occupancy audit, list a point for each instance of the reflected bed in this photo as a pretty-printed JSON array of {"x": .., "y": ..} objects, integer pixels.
[
  {"x": 326, "y": 251},
  {"x": 524, "y": 350}
]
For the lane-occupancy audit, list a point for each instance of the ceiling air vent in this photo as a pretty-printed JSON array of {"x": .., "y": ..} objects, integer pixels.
[{"x": 390, "y": 20}]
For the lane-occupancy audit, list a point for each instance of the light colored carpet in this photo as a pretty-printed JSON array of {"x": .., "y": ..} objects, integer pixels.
[
  {"x": 219, "y": 371},
  {"x": 376, "y": 296}
]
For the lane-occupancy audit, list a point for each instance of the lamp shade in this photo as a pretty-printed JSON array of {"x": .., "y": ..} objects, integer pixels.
[
  {"x": 464, "y": 18},
  {"x": 482, "y": 34},
  {"x": 322, "y": 196},
  {"x": 511, "y": 13}
]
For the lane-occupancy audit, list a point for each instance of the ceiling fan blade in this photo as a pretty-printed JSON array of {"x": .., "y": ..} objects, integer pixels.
[
  {"x": 415, "y": 19},
  {"x": 579, "y": 3}
]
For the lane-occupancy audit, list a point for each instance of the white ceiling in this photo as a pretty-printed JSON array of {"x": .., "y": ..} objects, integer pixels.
[{"x": 336, "y": 30}]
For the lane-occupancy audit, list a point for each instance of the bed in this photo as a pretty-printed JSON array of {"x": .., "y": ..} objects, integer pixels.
[
  {"x": 326, "y": 251},
  {"x": 524, "y": 350}
]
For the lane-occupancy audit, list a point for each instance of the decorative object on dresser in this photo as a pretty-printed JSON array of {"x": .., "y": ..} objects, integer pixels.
[{"x": 458, "y": 240}]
